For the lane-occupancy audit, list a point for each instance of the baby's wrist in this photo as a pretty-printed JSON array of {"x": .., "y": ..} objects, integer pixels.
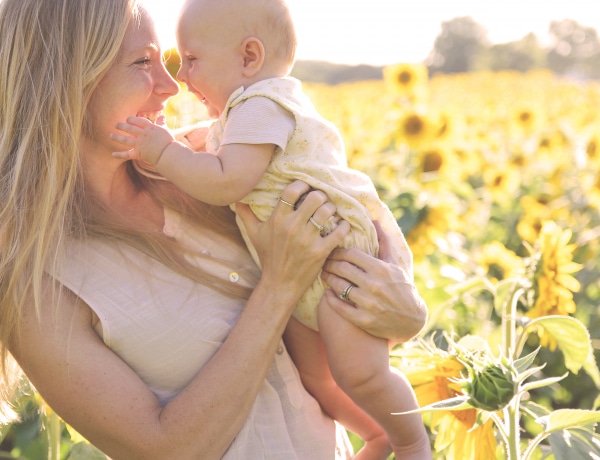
[{"x": 163, "y": 153}]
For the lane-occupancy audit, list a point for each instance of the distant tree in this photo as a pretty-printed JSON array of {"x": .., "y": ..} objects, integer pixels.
[
  {"x": 575, "y": 49},
  {"x": 522, "y": 55},
  {"x": 458, "y": 46},
  {"x": 330, "y": 73}
]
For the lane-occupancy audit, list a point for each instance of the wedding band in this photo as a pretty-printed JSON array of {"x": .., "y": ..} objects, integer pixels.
[
  {"x": 346, "y": 293},
  {"x": 287, "y": 203},
  {"x": 318, "y": 226}
]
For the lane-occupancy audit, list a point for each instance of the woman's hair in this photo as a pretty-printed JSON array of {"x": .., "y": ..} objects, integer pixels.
[{"x": 53, "y": 54}]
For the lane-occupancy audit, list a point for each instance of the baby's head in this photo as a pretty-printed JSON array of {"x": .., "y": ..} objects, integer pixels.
[{"x": 238, "y": 42}]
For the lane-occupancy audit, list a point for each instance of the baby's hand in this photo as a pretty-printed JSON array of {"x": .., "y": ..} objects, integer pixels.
[{"x": 146, "y": 140}]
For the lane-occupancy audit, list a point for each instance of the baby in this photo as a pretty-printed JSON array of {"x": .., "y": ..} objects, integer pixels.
[{"x": 236, "y": 56}]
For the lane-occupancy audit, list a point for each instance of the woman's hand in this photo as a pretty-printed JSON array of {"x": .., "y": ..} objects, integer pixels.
[
  {"x": 289, "y": 245},
  {"x": 383, "y": 300}
]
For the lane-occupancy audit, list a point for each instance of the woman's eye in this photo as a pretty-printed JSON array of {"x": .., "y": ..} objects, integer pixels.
[{"x": 143, "y": 61}]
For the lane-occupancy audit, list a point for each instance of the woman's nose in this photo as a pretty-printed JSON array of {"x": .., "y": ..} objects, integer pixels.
[{"x": 165, "y": 83}]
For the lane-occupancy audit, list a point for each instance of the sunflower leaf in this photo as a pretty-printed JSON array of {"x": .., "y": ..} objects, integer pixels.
[
  {"x": 575, "y": 444},
  {"x": 542, "y": 383},
  {"x": 564, "y": 419},
  {"x": 571, "y": 336},
  {"x": 529, "y": 372},
  {"x": 456, "y": 403},
  {"x": 525, "y": 362}
]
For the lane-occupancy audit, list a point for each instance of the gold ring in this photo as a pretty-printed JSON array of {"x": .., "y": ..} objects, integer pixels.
[
  {"x": 318, "y": 226},
  {"x": 287, "y": 203},
  {"x": 345, "y": 295}
]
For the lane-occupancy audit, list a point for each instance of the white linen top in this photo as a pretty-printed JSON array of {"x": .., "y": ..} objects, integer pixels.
[{"x": 166, "y": 328}]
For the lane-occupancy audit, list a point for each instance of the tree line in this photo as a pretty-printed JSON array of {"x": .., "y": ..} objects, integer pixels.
[{"x": 463, "y": 46}]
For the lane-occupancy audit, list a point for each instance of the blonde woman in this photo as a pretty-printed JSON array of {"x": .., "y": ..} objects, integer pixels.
[{"x": 132, "y": 308}]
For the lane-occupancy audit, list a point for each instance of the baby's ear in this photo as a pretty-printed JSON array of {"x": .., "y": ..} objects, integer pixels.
[{"x": 254, "y": 56}]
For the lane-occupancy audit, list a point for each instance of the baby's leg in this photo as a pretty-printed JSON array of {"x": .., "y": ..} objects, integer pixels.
[
  {"x": 307, "y": 350},
  {"x": 360, "y": 364}
]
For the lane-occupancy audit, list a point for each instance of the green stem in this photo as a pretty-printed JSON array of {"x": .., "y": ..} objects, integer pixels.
[
  {"x": 509, "y": 316},
  {"x": 512, "y": 415},
  {"x": 53, "y": 432},
  {"x": 514, "y": 440}
]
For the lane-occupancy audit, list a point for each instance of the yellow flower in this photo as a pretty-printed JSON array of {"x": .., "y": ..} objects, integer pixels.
[
  {"x": 405, "y": 78},
  {"x": 431, "y": 375},
  {"x": 592, "y": 150},
  {"x": 501, "y": 182},
  {"x": 414, "y": 129},
  {"x": 535, "y": 210},
  {"x": 554, "y": 281},
  {"x": 434, "y": 223},
  {"x": 499, "y": 262}
]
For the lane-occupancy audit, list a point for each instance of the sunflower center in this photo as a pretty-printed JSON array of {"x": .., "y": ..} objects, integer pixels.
[
  {"x": 432, "y": 162},
  {"x": 413, "y": 125},
  {"x": 404, "y": 78}
]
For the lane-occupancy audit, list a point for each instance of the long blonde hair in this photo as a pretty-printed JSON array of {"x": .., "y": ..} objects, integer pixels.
[{"x": 53, "y": 53}]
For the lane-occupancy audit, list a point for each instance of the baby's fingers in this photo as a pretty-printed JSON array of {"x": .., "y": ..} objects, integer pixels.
[{"x": 127, "y": 155}]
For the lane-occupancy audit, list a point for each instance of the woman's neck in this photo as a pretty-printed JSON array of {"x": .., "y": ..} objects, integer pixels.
[{"x": 112, "y": 185}]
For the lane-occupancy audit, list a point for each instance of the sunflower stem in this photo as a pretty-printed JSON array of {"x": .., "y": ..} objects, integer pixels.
[
  {"x": 509, "y": 323},
  {"x": 500, "y": 427},
  {"x": 53, "y": 432},
  {"x": 514, "y": 446},
  {"x": 512, "y": 415}
]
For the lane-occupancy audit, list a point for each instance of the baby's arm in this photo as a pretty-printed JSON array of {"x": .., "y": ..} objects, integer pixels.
[
  {"x": 219, "y": 179},
  {"x": 308, "y": 353}
]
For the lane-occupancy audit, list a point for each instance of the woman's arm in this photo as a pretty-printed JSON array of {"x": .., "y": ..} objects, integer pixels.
[
  {"x": 384, "y": 301},
  {"x": 100, "y": 396}
]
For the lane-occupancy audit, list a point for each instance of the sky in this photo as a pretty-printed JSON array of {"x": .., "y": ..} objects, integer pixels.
[{"x": 381, "y": 32}]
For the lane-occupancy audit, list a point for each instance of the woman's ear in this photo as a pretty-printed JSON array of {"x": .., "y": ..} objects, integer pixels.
[{"x": 254, "y": 56}]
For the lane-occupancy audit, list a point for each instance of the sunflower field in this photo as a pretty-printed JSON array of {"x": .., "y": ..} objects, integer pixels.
[{"x": 495, "y": 181}]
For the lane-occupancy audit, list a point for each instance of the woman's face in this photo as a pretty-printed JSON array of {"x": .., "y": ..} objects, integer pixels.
[{"x": 137, "y": 84}]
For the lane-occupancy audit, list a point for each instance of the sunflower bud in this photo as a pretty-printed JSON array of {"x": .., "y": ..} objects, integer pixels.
[{"x": 492, "y": 388}]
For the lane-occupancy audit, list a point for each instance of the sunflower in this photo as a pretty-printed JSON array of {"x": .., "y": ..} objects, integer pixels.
[
  {"x": 499, "y": 262},
  {"x": 431, "y": 374},
  {"x": 405, "y": 79},
  {"x": 554, "y": 281},
  {"x": 592, "y": 150},
  {"x": 502, "y": 183},
  {"x": 414, "y": 129},
  {"x": 535, "y": 211}
]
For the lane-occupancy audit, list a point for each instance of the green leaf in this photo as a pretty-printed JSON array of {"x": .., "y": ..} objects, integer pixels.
[
  {"x": 591, "y": 368},
  {"x": 571, "y": 336},
  {"x": 577, "y": 444},
  {"x": 85, "y": 451},
  {"x": 542, "y": 383},
  {"x": 564, "y": 419},
  {"x": 456, "y": 403},
  {"x": 525, "y": 362},
  {"x": 533, "y": 409},
  {"x": 529, "y": 372}
]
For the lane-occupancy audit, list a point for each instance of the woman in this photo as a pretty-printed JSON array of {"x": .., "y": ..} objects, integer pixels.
[{"x": 131, "y": 308}]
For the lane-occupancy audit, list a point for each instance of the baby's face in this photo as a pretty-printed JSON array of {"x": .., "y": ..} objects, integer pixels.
[{"x": 210, "y": 58}]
